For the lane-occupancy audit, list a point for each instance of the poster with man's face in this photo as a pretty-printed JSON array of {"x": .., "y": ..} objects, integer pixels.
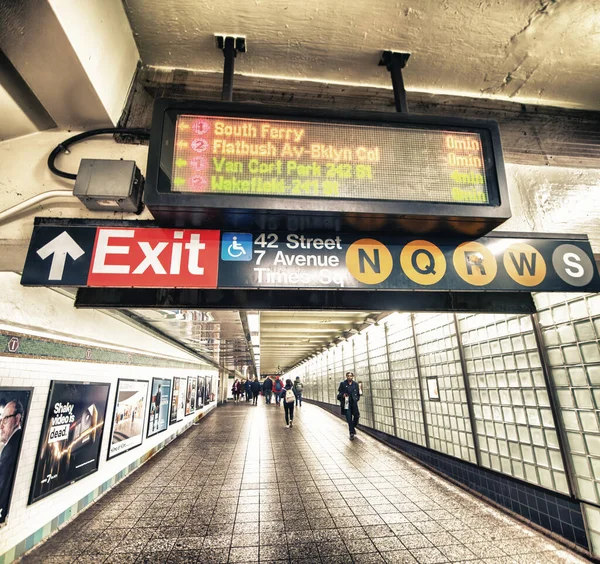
[
  {"x": 14, "y": 408},
  {"x": 158, "y": 417},
  {"x": 71, "y": 437},
  {"x": 128, "y": 417},
  {"x": 175, "y": 401}
]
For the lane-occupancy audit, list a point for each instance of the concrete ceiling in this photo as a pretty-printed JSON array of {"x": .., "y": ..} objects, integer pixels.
[{"x": 531, "y": 51}]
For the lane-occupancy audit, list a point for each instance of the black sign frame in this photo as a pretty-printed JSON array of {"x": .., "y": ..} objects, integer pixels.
[
  {"x": 53, "y": 383},
  {"x": 172, "y": 208}
]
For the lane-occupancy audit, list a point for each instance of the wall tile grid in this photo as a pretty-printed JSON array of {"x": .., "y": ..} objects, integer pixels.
[
  {"x": 570, "y": 327},
  {"x": 405, "y": 380},
  {"x": 448, "y": 422},
  {"x": 27, "y": 525},
  {"x": 380, "y": 379},
  {"x": 362, "y": 375},
  {"x": 515, "y": 426}
]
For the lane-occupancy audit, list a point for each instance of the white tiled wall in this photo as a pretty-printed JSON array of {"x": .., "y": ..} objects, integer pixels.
[{"x": 24, "y": 520}]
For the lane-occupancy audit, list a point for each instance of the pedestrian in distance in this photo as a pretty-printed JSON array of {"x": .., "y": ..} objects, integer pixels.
[
  {"x": 298, "y": 387},
  {"x": 248, "y": 388},
  {"x": 236, "y": 390},
  {"x": 255, "y": 386},
  {"x": 268, "y": 389},
  {"x": 278, "y": 387},
  {"x": 289, "y": 398},
  {"x": 348, "y": 396}
]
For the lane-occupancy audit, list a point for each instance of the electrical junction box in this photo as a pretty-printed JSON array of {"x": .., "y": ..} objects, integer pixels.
[{"x": 109, "y": 185}]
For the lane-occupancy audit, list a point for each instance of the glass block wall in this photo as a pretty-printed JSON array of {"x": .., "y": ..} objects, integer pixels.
[
  {"x": 515, "y": 427},
  {"x": 516, "y": 433},
  {"x": 570, "y": 332},
  {"x": 448, "y": 421},
  {"x": 405, "y": 379},
  {"x": 361, "y": 371},
  {"x": 380, "y": 379}
]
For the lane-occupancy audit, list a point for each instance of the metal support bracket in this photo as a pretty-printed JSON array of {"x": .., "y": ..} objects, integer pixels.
[
  {"x": 395, "y": 61},
  {"x": 231, "y": 45}
]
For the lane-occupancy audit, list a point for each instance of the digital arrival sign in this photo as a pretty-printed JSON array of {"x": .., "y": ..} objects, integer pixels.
[
  {"x": 294, "y": 158},
  {"x": 217, "y": 163}
]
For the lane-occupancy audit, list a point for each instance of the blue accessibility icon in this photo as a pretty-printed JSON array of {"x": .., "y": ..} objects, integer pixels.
[{"x": 236, "y": 246}]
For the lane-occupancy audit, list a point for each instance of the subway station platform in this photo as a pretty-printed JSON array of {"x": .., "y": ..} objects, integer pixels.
[{"x": 240, "y": 487}]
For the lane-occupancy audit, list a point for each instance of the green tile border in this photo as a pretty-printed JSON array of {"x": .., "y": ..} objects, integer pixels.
[
  {"x": 60, "y": 520},
  {"x": 28, "y": 346}
]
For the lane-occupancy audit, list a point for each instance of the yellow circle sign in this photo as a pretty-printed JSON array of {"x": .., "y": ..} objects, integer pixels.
[
  {"x": 525, "y": 264},
  {"x": 369, "y": 261},
  {"x": 423, "y": 262},
  {"x": 475, "y": 263}
]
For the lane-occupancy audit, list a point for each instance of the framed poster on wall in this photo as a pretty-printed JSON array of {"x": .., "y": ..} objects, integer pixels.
[
  {"x": 190, "y": 400},
  {"x": 14, "y": 409},
  {"x": 199, "y": 392},
  {"x": 128, "y": 416},
  {"x": 158, "y": 416},
  {"x": 209, "y": 389},
  {"x": 71, "y": 436},
  {"x": 173, "y": 418}
]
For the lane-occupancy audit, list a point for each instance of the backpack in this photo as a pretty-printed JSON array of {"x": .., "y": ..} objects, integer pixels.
[
  {"x": 278, "y": 385},
  {"x": 299, "y": 386},
  {"x": 289, "y": 396}
]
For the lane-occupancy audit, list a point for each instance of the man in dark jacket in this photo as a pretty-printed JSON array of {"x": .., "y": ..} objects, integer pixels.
[
  {"x": 348, "y": 396},
  {"x": 255, "y": 391},
  {"x": 268, "y": 389},
  {"x": 248, "y": 389},
  {"x": 10, "y": 435}
]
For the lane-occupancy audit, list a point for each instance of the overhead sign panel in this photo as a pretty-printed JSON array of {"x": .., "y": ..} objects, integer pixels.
[
  {"x": 233, "y": 163},
  {"x": 121, "y": 254}
]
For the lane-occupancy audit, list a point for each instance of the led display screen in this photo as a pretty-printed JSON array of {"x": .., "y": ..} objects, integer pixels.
[{"x": 285, "y": 158}]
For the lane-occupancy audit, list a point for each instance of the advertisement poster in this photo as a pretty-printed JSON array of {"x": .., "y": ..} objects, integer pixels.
[
  {"x": 199, "y": 392},
  {"x": 175, "y": 401},
  {"x": 158, "y": 418},
  {"x": 190, "y": 399},
  {"x": 128, "y": 417},
  {"x": 71, "y": 437},
  {"x": 209, "y": 389},
  {"x": 182, "y": 395},
  {"x": 14, "y": 408}
]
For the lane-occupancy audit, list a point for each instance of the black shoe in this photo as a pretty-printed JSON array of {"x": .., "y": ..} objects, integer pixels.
[{"x": 352, "y": 435}]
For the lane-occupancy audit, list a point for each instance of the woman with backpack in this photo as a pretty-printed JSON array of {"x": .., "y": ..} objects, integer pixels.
[
  {"x": 289, "y": 398},
  {"x": 278, "y": 388}
]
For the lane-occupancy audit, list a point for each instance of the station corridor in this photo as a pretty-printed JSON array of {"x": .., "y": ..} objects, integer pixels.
[{"x": 240, "y": 487}]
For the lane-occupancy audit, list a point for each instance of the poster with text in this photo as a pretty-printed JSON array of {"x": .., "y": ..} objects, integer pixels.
[
  {"x": 14, "y": 409},
  {"x": 190, "y": 398},
  {"x": 128, "y": 417},
  {"x": 175, "y": 400},
  {"x": 202, "y": 390},
  {"x": 158, "y": 417},
  {"x": 69, "y": 447}
]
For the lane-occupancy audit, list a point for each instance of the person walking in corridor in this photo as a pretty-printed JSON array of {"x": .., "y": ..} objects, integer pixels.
[
  {"x": 255, "y": 390},
  {"x": 278, "y": 387},
  {"x": 236, "y": 389},
  {"x": 288, "y": 397},
  {"x": 268, "y": 389},
  {"x": 298, "y": 387},
  {"x": 248, "y": 388},
  {"x": 348, "y": 396}
]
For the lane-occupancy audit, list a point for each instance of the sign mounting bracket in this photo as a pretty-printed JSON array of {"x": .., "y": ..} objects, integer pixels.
[
  {"x": 395, "y": 61},
  {"x": 231, "y": 45}
]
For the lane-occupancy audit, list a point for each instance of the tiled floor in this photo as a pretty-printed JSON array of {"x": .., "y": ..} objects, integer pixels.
[{"x": 240, "y": 487}]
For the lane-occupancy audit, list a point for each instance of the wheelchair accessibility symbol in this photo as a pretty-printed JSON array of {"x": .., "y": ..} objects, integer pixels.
[{"x": 236, "y": 247}]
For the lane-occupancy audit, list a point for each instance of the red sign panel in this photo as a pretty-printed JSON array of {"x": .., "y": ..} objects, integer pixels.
[{"x": 154, "y": 258}]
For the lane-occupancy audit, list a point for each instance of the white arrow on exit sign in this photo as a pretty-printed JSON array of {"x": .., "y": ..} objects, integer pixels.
[{"x": 60, "y": 247}]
